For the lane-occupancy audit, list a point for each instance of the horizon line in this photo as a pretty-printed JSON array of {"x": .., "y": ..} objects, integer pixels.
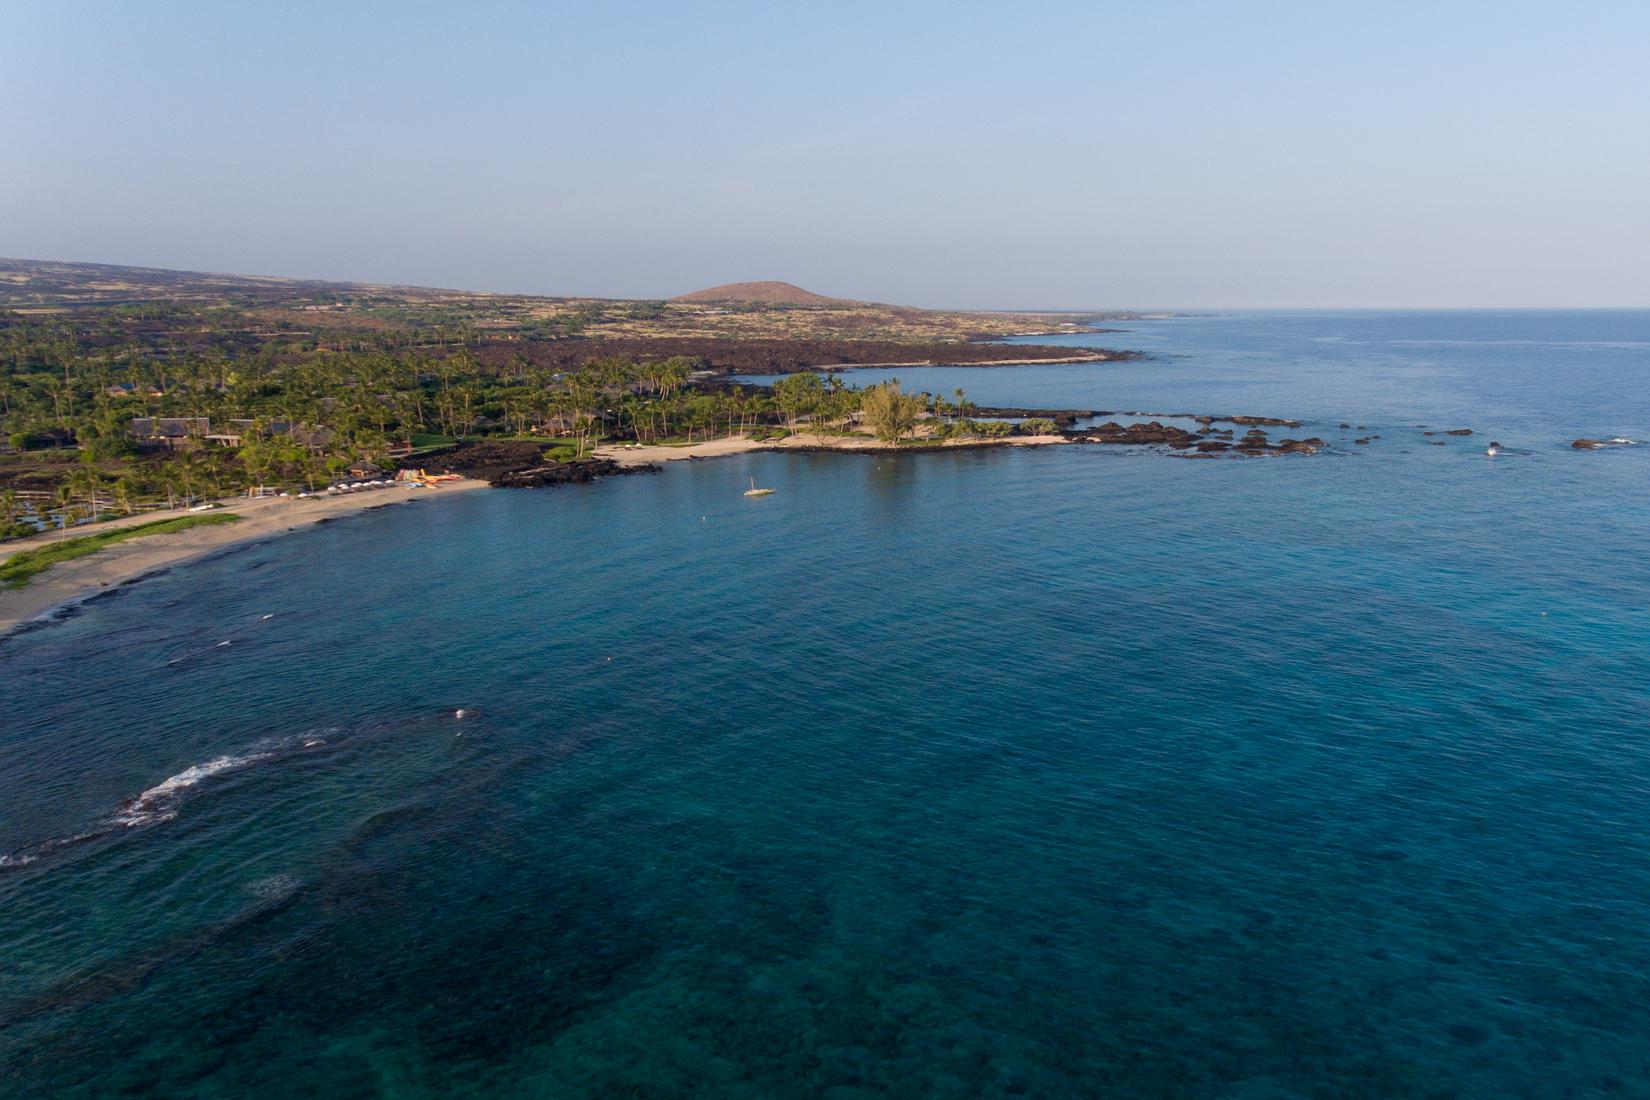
[{"x": 1076, "y": 310}]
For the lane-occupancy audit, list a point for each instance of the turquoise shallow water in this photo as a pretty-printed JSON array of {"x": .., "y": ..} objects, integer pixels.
[{"x": 1046, "y": 773}]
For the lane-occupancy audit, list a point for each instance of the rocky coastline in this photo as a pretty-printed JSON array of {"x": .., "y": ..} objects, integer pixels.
[
  {"x": 524, "y": 464},
  {"x": 580, "y": 471},
  {"x": 1208, "y": 440},
  {"x": 513, "y": 464}
]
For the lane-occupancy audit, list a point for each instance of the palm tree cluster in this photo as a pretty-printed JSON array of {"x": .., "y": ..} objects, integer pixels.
[{"x": 82, "y": 382}]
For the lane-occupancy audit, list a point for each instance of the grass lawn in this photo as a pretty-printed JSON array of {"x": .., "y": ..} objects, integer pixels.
[
  {"x": 423, "y": 442},
  {"x": 19, "y": 569}
]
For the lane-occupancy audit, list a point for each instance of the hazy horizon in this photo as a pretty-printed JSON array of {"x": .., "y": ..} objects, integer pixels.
[{"x": 1071, "y": 157}]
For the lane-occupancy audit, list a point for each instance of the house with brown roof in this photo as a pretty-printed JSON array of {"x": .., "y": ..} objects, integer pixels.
[
  {"x": 316, "y": 439},
  {"x": 175, "y": 433}
]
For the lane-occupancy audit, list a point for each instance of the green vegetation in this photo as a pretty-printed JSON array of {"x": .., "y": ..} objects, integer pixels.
[
  {"x": 890, "y": 411},
  {"x": 108, "y": 407},
  {"x": 424, "y": 441},
  {"x": 152, "y": 407},
  {"x": 20, "y": 568},
  {"x": 799, "y": 395}
]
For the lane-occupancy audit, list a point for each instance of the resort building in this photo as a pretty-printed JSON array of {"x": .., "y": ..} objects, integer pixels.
[{"x": 172, "y": 432}]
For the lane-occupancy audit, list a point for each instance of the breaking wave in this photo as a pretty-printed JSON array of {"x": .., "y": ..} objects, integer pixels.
[{"x": 160, "y": 803}]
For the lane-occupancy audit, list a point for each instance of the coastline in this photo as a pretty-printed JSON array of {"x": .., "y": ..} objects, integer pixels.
[
  {"x": 1101, "y": 357},
  {"x": 73, "y": 582},
  {"x": 736, "y": 445}
]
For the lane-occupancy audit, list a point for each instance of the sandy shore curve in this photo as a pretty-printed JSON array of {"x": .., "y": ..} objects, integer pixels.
[{"x": 70, "y": 582}]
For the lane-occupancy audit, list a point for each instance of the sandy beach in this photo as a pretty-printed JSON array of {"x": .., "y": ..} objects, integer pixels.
[
  {"x": 71, "y": 581},
  {"x": 734, "y": 445}
]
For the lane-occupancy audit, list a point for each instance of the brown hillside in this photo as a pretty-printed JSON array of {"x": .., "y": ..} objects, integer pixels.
[{"x": 770, "y": 293}]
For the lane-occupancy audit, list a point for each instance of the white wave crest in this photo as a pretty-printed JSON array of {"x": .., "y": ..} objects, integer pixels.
[{"x": 159, "y": 803}]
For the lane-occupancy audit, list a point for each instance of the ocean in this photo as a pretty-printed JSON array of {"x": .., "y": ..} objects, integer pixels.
[{"x": 1057, "y": 772}]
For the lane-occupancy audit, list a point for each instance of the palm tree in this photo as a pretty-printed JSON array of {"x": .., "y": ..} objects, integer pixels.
[
  {"x": 84, "y": 481},
  {"x": 65, "y": 504}
]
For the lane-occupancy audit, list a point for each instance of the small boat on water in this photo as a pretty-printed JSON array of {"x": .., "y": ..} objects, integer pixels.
[{"x": 753, "y": 491}]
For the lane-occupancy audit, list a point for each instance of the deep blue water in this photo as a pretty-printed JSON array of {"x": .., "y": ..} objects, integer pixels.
[{"x": 1041, "y": 773}]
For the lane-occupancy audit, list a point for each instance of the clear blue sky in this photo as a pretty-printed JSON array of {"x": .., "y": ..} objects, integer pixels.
[{"x": 1072, "y": 155}]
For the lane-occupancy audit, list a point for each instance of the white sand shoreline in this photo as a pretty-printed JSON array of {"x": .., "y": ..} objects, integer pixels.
[
  {"x": 68, "y": 583},
  {"x": 734, "y": 445},
  {"x": 72, "y": 582}
]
